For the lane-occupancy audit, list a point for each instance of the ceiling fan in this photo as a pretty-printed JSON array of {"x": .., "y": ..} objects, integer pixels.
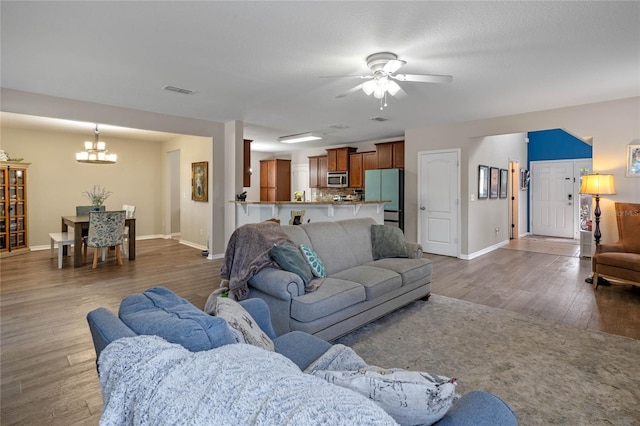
[{"x": 383, "y": 77}]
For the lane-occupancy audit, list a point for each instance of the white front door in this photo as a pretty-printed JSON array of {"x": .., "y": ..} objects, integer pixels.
[
  {"x": 553, "y": 198},
  {"x": 438, "y": 202}
]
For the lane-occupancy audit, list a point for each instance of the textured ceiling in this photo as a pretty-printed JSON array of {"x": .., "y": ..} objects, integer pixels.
[{"x": 261, "y": 62}]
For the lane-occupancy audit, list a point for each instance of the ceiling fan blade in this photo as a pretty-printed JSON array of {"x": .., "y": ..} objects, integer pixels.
[
  {"x": 346, "y": 76},
  {"x": 393, "y": 65},
  {"x": 350, "y": 91},
  {"x": 395, "y": 90},
  {"x": 424, "y": 78}
]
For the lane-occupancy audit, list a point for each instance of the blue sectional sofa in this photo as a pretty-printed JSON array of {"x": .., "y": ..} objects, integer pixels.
[{"x": 159, "y": 311}]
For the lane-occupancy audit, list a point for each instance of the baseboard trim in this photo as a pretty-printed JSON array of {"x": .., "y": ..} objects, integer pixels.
[{"x": 484, "y": 251}]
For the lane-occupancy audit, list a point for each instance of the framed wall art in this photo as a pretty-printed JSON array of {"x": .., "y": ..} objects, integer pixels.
[
  {"x": 200, "y": 181},
  {"x": 483, "y": 182},
  {"x": 525, "y": 176},
  {"x": 494, "y": 184},
  {"x": 633, "y": 161},
  {"x": 504, "y": 180}
]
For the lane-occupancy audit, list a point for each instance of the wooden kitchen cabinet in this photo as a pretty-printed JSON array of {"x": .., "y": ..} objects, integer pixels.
[
  {"x": 390, "y": 155},
  {"x": 370, "y": 160},
  {"x": 318, "y": 166},
  {"x": 356, "y": 170},
  {"x": 338, "y": 159},
  {"x": 275, "y": 180}
]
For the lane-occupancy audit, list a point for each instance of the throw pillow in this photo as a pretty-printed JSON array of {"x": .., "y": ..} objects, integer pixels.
[
  {"x": 387, "y": 241},
  {"x": 289, "y": 258},
  {"x": 317, "y": 267},
  {"x": 239, "y": 319},
  {"x": 410, "y": 397}
]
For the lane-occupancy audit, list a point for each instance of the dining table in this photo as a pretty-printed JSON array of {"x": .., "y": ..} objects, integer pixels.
[{"x": 80, "y": 223}]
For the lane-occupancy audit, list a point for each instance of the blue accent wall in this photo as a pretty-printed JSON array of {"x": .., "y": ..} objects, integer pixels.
[{"x": 555, "y": 144}]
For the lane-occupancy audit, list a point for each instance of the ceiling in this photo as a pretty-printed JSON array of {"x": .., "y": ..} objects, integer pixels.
[{"x": 262, "y": 62}]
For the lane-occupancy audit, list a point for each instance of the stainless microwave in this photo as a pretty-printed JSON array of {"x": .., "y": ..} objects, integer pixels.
[{"x": 338, "y": 179}]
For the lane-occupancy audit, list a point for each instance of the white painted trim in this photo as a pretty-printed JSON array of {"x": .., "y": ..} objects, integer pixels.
[{"x": 484, "y": 250}]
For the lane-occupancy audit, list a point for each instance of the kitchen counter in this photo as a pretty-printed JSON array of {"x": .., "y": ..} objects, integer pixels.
[{"x": 289, "y": 212}]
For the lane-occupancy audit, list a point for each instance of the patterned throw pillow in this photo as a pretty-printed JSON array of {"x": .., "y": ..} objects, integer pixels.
[
  {"x": 242, "y": 322},
  {"x": 410, "y": 397},
  {"x": 317, "y": 267}
]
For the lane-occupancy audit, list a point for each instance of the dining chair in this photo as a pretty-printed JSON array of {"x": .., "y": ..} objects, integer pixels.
[
  {"x": 84, "y": 211},
  {"x": 130, "y": 214},
  {"x": 106, "y": 229}
]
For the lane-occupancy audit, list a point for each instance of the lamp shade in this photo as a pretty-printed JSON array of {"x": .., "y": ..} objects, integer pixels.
[{"x": 598, "y": 185}]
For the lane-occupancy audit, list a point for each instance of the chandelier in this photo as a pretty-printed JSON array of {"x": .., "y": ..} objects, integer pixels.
[{"x": 96, "y": 152}]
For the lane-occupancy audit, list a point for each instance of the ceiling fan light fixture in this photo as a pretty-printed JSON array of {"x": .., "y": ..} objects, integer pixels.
[{"x": 300, "y": 137}]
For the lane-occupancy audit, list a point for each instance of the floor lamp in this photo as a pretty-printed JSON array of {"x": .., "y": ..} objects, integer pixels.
[{"x": 597, "y": 185}]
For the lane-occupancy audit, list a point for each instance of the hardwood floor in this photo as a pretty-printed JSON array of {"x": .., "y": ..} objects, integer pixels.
[{"x": 47, "y": 368}]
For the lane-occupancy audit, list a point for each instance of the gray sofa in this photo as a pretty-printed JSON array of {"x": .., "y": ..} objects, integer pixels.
[{"x": 357, "y": 290}]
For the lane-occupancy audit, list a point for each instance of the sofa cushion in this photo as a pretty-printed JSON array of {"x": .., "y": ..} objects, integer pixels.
[
  {"x": 160, "y": 312},
  {"x": 411, "y": 270},
  {"x": 342, "y": 244},
  {"x": 332, "y": 296},
  {"x": 240, "y": 320},
  {"x": 387, "y": 241},
  {"x": 410, "y": 397},
  {"x": 290, "y": 258},
  {"x": 376, "y": 281},
  {"x": 314, "y": 261}
]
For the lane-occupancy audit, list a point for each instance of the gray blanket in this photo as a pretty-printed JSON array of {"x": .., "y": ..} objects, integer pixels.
[
  {"x": 146, "y": 380},
  {"x": 248, "y": 251}
]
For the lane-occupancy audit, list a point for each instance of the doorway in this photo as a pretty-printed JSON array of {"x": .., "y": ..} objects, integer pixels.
[
  {"x": 555, "y": 198},
  {"x": 173, "y": 159},
  {"x": 439, "y": 201}
]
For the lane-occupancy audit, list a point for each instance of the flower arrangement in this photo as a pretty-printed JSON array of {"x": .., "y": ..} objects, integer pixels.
[{"x": 97, "y": 195}]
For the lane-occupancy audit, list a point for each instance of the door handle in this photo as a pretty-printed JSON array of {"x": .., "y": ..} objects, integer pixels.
[{"x": 422, "y": 208}]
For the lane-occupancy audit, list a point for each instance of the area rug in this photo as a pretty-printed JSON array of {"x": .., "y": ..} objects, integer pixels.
[{"x": 549, "y": 373}]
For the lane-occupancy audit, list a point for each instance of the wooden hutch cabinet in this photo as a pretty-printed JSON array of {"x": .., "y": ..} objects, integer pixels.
[
  {"x": 13, "y": 208},
  {"x": 275, "y": 180},
  {"x": 390, "y": 155},
  {"x": 318, "y": 171}
]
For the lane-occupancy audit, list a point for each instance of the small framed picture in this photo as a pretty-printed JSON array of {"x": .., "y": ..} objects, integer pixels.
[
  {"x": 633, "y": 161},
  {"x": 199, "y": 181},
  {"x": 483, "y": 182},
  {"x": 494, "y": 183},
  {"x": 504, "y": 180}
]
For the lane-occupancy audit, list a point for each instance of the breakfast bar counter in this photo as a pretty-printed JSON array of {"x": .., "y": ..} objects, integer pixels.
[{"x": 297, "y": 212}]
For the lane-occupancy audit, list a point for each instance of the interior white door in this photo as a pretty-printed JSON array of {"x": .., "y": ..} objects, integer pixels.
[
  {"x": 438, "y": 205},
  {"x": 300, "y": 180},
  {"x": 552, "y": 199}
]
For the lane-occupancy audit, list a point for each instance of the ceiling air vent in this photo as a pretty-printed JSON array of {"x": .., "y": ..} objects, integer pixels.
[
  {"x": 379, "y": 119},
  {"x": 179, "y": 90}
]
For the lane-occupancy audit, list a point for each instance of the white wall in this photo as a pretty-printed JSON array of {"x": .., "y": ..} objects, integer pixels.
[
  {"x": 487, "y": 215},
  {"x": 613, "y": 125},
  {"x": 194, "y": 224}
]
